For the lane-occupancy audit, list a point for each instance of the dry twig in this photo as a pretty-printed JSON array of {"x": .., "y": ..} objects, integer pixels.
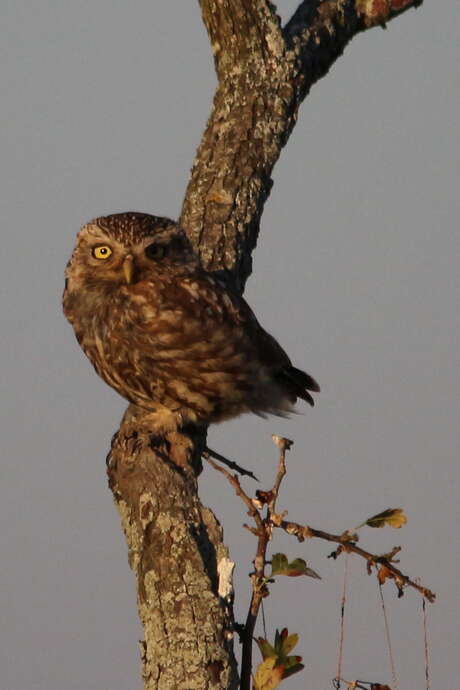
[
  {"x": 347, "y": 543},
  {"x": 263, "y": 532},
  {"x": 209, "y": 453}
]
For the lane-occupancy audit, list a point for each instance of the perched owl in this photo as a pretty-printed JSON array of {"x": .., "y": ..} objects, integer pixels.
[{"x": 167, "y": 335}]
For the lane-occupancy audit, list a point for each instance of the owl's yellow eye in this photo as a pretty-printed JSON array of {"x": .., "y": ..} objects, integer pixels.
[{"x": 102, "y": 252}]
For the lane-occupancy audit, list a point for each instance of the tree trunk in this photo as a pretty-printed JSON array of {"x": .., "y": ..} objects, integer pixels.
[{"x": 175, "y": 545}]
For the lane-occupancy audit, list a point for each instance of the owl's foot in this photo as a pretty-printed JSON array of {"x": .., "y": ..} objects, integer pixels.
[{"x": 163, "y": 431}]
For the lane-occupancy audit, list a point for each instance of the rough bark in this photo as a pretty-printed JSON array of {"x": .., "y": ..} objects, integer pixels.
[
  {"x": 175, "y": 547},
  {"x": 264, "y": 72}
]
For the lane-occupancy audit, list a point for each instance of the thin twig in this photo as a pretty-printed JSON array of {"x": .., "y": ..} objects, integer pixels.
[
  {"x": 263, "y": 532},
  {"x": 257, "y": 577},
  {"x": 264, "y": 625},
  {"x": 283, "y": 444},
  {"x": 208, "y": 452},
  {"x": 259, "y": 590},
  {"x": 303, "y": 532},
  {"x": 387, "y": 634},
  {"x": 342, "y": 622},
  {"x": 362, "y": 684},
  {"x": 425, "y": 640},
  {"x": 234, "y": 481}
]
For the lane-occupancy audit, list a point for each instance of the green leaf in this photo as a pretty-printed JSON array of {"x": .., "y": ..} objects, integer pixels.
[
  {"x": 295, "y": 668},
  {"x": 297, "y": 567},
  {"x": 277, "y": 664},
  {"x": 266, "y": 648},
  {"x": 279, "y": 564}
]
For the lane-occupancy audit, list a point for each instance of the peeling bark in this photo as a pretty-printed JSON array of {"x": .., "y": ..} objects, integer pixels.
[{"x": 264, "y": 72}]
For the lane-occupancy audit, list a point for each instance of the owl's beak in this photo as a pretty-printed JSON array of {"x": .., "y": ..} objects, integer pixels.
[{"x": 128, "y": 268}]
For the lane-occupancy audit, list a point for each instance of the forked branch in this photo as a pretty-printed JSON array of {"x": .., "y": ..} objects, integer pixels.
[{"x": 264, "y": 72}]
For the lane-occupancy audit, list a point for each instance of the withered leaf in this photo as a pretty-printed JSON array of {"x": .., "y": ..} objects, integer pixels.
[
  {"x": 383, "y": 574},
  {"x": 264, "y": 496},
  {"x": 393, "y": 517}
]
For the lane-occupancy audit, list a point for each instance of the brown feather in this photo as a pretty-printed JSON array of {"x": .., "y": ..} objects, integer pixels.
[{"x": 176, "y": 340}]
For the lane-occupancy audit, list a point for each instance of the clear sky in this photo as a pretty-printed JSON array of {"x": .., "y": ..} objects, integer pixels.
[{"x": 356, "y": 273}]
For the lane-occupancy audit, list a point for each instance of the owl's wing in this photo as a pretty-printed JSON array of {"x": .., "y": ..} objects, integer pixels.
[
  {"x": 230, "y": 309},
  {"x": 295, "y": 381}
]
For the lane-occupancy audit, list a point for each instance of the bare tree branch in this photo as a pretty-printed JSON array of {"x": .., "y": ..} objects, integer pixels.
[
  {"x": 384, "y": 563},
  {"x": 319, "y": 31},
  {"x": 209, "y": 453},
  {"x": 263, "y": 532},
  {"x": 360, "y": 14},
  {"x": 264, "y": 72},
  {"x": 348, "y": 544}
]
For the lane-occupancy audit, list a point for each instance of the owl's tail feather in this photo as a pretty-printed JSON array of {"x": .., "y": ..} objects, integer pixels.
[
  {"x": 298, "y": 383},
  {"x": 303, "y": 379}
]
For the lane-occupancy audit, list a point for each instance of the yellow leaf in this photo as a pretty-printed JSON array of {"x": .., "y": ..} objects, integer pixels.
[
  {"x": 289, "y": 643},
  {"x": 268, "y": 676},
  {"x": 393, "y": 517}
]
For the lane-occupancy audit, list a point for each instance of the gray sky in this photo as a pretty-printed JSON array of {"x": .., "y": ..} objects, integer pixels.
[{"x": 356, "y": 273}]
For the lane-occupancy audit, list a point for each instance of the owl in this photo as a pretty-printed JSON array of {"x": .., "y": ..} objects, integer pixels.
[{"x": 168, "y": 336}]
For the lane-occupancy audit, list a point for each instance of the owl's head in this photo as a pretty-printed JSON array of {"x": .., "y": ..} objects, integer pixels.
[{"x": 125, "y": 248}]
